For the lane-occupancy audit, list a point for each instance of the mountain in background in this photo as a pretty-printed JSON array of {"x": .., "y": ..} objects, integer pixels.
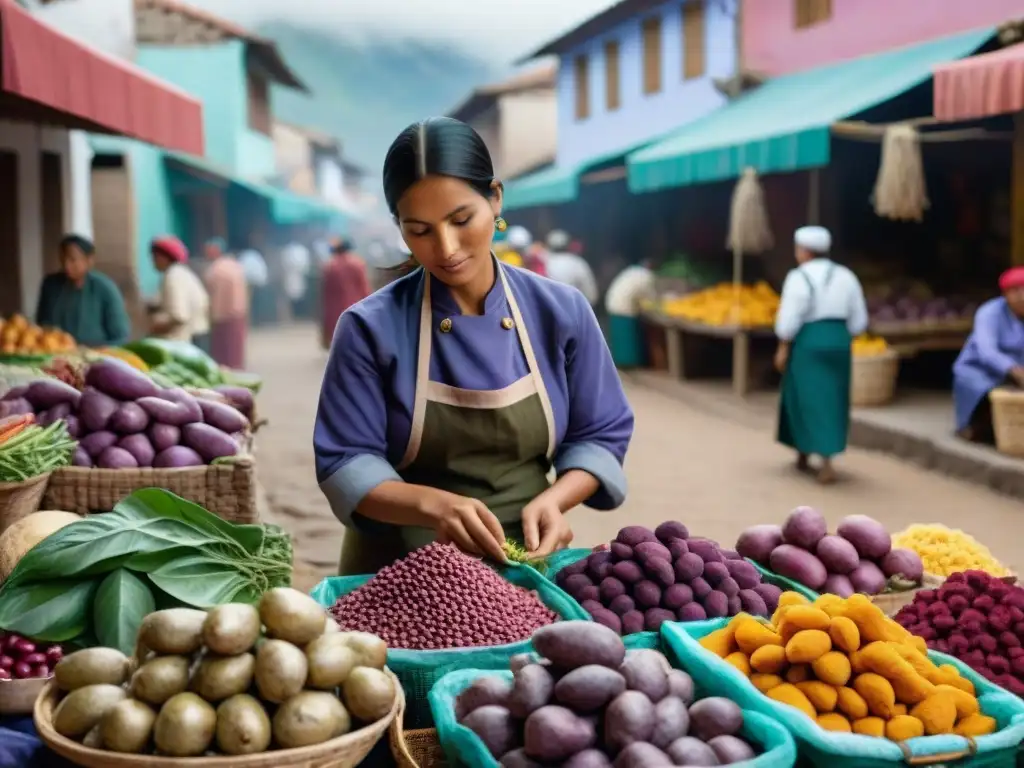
[{"x": 366, "y": 93}]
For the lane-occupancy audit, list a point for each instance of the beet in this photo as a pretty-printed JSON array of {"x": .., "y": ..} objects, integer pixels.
[{"x": 438, "y": 597}]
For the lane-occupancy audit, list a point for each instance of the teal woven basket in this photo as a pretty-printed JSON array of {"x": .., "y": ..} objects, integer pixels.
[
  {"x": 419, "y": 670},
  {"x": 464, "y": 748},
  {"x": 846, "y": 750},
  {"x": 567, "y": 557}
]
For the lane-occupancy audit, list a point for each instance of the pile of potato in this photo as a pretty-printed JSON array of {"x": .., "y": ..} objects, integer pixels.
[
  {"x": 209, "y": 683},
  {"x": 847, "y": 666}
]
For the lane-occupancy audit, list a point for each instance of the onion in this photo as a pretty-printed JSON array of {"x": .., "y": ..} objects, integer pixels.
[
  {"x": 35, "y": 658},
  {"x": 4, "y": 674},
  {"x": 22, "y": 670},
  {"x": 6, "y": 662}
]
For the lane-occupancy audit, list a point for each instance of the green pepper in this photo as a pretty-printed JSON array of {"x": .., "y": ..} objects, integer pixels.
[{"x": 183, "y": 353}]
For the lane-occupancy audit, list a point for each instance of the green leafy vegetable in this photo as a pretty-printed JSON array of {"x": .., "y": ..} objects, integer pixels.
[
  {"x": 52, "y": 611},
  {"x": 153, "y": 549},
  {"x": 122, "y": 601},
  {"x": 517, "y": 554}
]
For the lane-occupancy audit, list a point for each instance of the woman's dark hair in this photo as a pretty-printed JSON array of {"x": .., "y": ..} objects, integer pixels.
[
  {"x": 437, "y": 146},
  {"x": 83, "y": 244}
]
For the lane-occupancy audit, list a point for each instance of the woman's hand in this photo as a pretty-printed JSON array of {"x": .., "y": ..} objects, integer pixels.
[
  {"x": 545, "y": 528},
  {"x": 466, "y": 523},
  {"x": 781, "y": 358}
]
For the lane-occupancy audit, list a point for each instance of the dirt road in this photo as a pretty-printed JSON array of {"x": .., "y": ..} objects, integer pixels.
[{"x": 717, "y": 476}]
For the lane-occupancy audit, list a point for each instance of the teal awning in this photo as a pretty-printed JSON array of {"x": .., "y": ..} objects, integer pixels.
[
  {"x": 559, "y": 184},
  {"x": 785, "y": 124}
]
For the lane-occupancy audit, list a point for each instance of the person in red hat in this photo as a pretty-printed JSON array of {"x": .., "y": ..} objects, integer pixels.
[
  {"x": 182, "y": 309},
  {"x": 993, "y": 356}
]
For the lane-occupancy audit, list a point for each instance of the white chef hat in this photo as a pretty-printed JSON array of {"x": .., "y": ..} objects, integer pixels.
[
  {"x": 558, "y": 240},
  {"x": 519, "y": 238},
  {"x": 814, "y": 239}
]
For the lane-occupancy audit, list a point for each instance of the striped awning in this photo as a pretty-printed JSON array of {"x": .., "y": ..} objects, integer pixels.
[{"x": 981, "y": 86}]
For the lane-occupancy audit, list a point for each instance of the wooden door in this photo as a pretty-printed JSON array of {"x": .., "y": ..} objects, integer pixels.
[
  {"x": 52, "y": 189},
  {"x": 113, "y": 226},
  {"x": 10, "y": 240}
]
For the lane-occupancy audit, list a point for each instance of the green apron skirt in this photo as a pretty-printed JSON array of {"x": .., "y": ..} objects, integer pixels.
[
  {"x": 495, "y": 446},
  {"x": 814, "y": 409}
]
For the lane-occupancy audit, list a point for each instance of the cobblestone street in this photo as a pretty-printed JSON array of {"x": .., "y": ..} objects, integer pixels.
[{"x": 717, "y": 475}]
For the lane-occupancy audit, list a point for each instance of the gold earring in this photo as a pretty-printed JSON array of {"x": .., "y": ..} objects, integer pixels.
[{"x": 500, "y": 224}]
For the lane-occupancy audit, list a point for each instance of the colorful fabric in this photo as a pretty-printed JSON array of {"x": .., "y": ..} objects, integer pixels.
[
  {"x": 93, "y": 313},
  {"x": 171, "y": 247},
  {"x": 994, "y": 348},
  {"x": 229, "y": 294},
  {"x": 1011, "y": 278},
  {"x": 814, "y": 407}
]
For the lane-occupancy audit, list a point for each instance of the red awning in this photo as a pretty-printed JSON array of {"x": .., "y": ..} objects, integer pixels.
[
  {"x": 981, "y": 86},
  {"x": 50, "y": 77}
]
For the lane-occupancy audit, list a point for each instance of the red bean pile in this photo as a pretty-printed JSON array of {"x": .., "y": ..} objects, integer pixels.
[{"x": 438, "y": 597}]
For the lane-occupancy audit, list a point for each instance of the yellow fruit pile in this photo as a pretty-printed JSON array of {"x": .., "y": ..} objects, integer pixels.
[
  {"x": 721, "y": 305},
  {"x": 20, "y": 337},
  {"x": 945, "y": 551},
  {"x": 125, "y": 356},
  {"x": 850, "y": 668},
  {"x": 867, "y": 345}
]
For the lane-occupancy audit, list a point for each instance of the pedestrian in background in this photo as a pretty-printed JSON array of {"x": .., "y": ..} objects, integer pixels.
[
  {"x": 296, "y": 263},
  {"x": 570, "y": 268},
  {"x": 622, "y": 302},
  {"x": 182, "y": 310},
  {"x": 993, "y": 356},
  {"x": 257, "y": 277},
  {"x": 822, "y": 308},
  {"x": 345, "y": 283},
  {"x": 229, "y": 305},
  {"x": 82, "y": 301}
]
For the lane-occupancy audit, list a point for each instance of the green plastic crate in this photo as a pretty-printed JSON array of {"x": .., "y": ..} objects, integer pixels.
[
  {"x": 567, "y": 557},
  {"x": 419, "y": 670},
  {"x": 463, "y": 748},
  {"x": 847, "y": 750}
]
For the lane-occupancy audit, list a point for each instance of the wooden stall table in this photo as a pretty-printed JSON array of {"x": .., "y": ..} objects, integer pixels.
[
  {"x": 910, "y": 339},
  {"x": 677, "y": 330}
]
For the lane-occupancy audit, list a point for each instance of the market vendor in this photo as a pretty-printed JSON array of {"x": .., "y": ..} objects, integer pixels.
[
  {"x": 822, "y": 308},
  {"x": 82, "y": 301},
  {"x": 992, "y": 356},
  {"x": 450, "y": 393},
  {"x": 345, "y": 282},
  {"x": 182, "y": 311},
  {"x": 622, "y": 302}
]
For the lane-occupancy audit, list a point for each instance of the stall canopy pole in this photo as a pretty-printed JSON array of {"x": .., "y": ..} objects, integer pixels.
[
  {"x": 814, "y": 196},
  {"x": 749, "y": 232}
]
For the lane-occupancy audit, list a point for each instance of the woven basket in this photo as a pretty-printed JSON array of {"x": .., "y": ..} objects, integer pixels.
[
  {"x": 891, "y": 602},
  {"x": 1008, "y": 420},
  {"x": 346, "y": 751},
  {"x": 18, "y": 697},
  {"x": 226, "y": 490},
  {"x": 415, "y": 749},
  {"x": 18, "y": 500},
  {"x": 873, "y": 381}
]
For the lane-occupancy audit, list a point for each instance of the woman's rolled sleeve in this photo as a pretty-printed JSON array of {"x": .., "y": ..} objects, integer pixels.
[
  {"x": 600, "y": 420},
  {"x": 349, "y": 440}
]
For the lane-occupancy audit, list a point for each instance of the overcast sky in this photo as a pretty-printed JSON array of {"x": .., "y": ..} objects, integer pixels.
[{"x": 503, "y": 29}]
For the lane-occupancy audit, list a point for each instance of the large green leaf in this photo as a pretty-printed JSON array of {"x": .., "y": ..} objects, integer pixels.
[
  {"x": 204, "y": 582},
  {"x": 158, "y": 503},
  {"x": 122, "y": 601},
  {"x": 52, "y": 611}
]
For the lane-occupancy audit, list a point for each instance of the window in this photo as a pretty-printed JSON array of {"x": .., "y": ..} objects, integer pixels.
[
  {"x": 581, "y": 68},
  {"x": 611, "y": 76},
  {"x": 259, "y": 104},
  {"x": 807, "y": 13},
  {"x": 693, "y": 39},
  {"x": 652, "y": 55}
]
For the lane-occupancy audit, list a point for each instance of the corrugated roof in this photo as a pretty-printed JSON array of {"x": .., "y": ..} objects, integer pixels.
[
  {"x": 263, "y": 49},
  {"x": 538, "y": 78}
]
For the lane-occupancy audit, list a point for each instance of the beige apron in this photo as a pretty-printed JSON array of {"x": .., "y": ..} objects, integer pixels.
[{"x": 492, "y": 445}]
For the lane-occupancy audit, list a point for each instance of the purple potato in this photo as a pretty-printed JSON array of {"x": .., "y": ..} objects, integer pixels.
[
  {"x": 688, "y": 567},
  {"x": 486, "y": 689},
  {"x": 731, "y": 749},
  {"x": 753, "y": 603},
  {"x": 575, "y": 583},
  {"x": 632, "y": 622},
  {"x": 627, "y": 571},
  {"x": 716, "y": 605},
  {"x": 209, "y": 442},
  {"x": 770, "y": 593},
  {"x": 677, "y": 548},
  {"x": 676, "y": 596},
  {"x": 495, "y": 727},
  {"x": 641, "y": 754},
  {"x": 837, "y": 554},
  {"x": 670, "y": 530},
  {"x": 590, "y": 688},
  {"x": 671, "y": 721},
  {"x": 647, "y": 672},
  {"x": 622, "y": 605},
  {"x": 629, "y": 718},
  {"x": 163, "y": 436},
  {"x": 648, "y": 549},
  {"x": 655, "y": 617},
  {"x": 691, "y": 751},
  {"x": 700, "y": 587},
  {"x": 729, "y": 587},
  {"x": 95, "y": 410},
  {"x": 120, "y": 381},
  {"x": 647, "y": 594},
  {"x": 553, "y": 734},
  {"x": 681, "y": 686},
  {"x": 660, "y": 571},
  {"x": 177, "y": 457},
  {"x": 632, "y": 535},
  {"x": 47, "y": 393},
  {"x": 572, "y": 644},
  {"x": 129, "y": 419},
  {"x": 116, "y": 458},
  {"x": 81, "y": 458},
  {"x": 224, "y": 417},
  {"x": 608, "y": 619},
  {"x": 139, "y": 447},
  {"x": 714, "y": 573},
  {"x": 746, "y": 575},
  {"x": 621, "y": 551},
  {"x": 838, "y": 584},
  {"x": 610, "y": 588},
  {"x": 707, "y": 549},
  {"x": 97, "y": 442},
  {"x": 715, "y": 716},
  {"x": 532, "y": 687},
  {"x": 804, "y": 528},
  {"x": 692, "y": 612}
]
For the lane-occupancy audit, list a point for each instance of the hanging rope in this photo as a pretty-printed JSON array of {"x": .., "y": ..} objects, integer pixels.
[
  {"x": 748, "y": 217},
  {"x": 901, "y": 192}
]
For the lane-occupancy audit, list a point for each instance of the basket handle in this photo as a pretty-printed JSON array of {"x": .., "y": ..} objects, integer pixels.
[{"x": 943, "y": 757}]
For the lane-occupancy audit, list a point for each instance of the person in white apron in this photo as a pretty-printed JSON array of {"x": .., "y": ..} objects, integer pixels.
[{"x": 451, "y": 394}]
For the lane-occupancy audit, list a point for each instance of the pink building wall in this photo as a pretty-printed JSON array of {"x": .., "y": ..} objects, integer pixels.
[{"x": 773, "y": 45}]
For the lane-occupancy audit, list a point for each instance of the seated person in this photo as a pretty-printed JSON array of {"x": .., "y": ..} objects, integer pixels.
[{"x": 993, "y": 356}]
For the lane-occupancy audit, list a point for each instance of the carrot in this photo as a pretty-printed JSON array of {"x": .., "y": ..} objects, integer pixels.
[
  {"x": 19, "y": 420},
  {"x": 12, "y": 432}
]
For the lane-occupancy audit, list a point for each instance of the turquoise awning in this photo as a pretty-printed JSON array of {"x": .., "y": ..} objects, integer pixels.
[
  {"x": 559, "y": 184},
  {"x": 785, "y": 124}
]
